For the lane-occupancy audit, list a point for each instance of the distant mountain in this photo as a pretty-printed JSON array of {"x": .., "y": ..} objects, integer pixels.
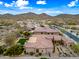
[
  {"x": 44, "y": 15},
  {"x": 31, "y": 15},
  {"x": 6, "y": 16},
  {"x": 75, "y": 17},
  {"x": 65, "y": 16},
  {"x": 68, "y": 18},
  {"x": 28, "y": 14},
  {"x": 59, "y": 18}
]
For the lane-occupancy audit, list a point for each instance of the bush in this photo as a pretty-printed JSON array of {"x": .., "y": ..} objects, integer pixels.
[
  {"x": 62, "y": 30},
  {"x": 40, "y": 54},
  {"x": 10, "y": 38},
  {"x": 22, "y": 41},
  {"x": 1, "y": 50},
  {"x": 14, "y": 50},
  {"x": 27, "y": 33},
  {"x": 75, "y": 48},
  {"x": 31, "y": 53},
  {"x": 43, "y": 58}
]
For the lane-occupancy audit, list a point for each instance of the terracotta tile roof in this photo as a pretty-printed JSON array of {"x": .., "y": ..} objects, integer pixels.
[
  {"x": 67, "y": 40},
  {"x": 41, "y": 42},
  {"x": 45, "y": 29},
  {"x": 51, "y": 37},
  {"x": 57, "y": 37}
]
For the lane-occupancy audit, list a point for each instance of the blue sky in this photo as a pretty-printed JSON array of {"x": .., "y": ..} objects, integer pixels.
[{"x": 51, "y": 7}]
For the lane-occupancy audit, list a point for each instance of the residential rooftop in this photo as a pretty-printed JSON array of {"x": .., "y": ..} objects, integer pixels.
[
  {"x": 45, "y": 29},
  {"x": 39, "y": 42}
]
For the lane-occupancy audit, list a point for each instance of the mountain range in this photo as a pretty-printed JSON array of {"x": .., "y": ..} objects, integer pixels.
[{"x": 43, "y": 16}]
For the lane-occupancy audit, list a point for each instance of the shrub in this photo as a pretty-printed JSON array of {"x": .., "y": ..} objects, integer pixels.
[
  {"x": 75, "y": 48},
  {"x": 40, "y": 54},
  {"x": 31, "y": 53},
  {"x": 43, "y": 58},
  {"x": 22, "y": 41},
  {"x": 1, "y": 50},
  {"x": 14, "y": 50}
]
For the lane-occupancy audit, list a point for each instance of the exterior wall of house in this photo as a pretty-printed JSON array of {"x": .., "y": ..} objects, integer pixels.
[
  {"x": 68, "y": 44},
  {"x": 30, "y": 50},
  {"x": 36, "y": 33},
  {"x": 47, "y": 33},
  {"x": 56, "y": 33},
  {"x": 41, "y": 50}
]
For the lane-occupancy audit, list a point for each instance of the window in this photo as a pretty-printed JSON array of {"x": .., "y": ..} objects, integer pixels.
[
  {"x": 52, "y": 33},
  {"x": 48, "y": 33},
  {"x": 42, "y": 50},
  {"x": 37, "y": 50},
  {"x": 41, "y": 32}
]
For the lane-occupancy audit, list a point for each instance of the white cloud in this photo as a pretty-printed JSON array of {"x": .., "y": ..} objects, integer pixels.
[
  {"x": 1, "y": 2},
  {"x": 21, "y": 3},
  {"x": 41, "y": 2},
  {"x": 8, "y": 5},
  {"x": 73, "y": 3},
  {"x": 40, "y": 9},
  {"x": 26, "y": 8},
  {"x": 3, "y": 11},
  {"x": 56, "y": 12}
]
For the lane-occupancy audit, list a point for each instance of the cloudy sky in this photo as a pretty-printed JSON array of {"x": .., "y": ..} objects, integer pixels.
[{"x": 51, "y": 7}]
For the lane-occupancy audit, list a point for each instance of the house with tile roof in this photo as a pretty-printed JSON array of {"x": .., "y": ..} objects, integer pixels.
[
  {"x": 42, "y": 41},
  {"x": 45, "y": 30}
]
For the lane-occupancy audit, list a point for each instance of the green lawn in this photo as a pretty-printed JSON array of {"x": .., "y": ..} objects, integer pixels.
[{"x": 22, "y": 41}]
